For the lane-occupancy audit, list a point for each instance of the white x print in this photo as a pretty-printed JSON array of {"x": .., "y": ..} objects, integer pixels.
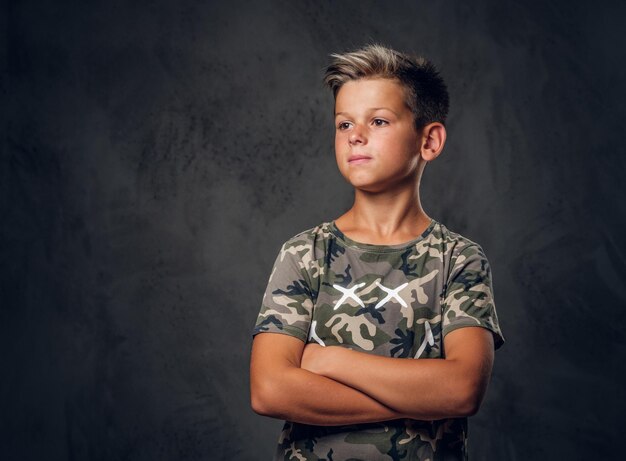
[
  {"x": 313, "y": 334},
  {"x": 391, "y": 293},
  {"x": 428, "y": 339},
  {"x": 348, "y": 293}
]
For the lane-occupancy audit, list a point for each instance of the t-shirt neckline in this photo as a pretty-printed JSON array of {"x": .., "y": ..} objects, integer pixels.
[{"x": 378, "y": 248}]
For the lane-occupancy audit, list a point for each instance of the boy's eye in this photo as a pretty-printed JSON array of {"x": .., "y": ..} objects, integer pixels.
[
  {"x": 380, "y": 122},
  {"x": 343, "y": 126}
]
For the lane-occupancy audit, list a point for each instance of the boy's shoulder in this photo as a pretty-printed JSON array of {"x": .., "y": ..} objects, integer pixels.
[
  {"x": 309, "y": 236},
  {"x": 454, "y": 246},
  {"x": 303, "y": 242}
]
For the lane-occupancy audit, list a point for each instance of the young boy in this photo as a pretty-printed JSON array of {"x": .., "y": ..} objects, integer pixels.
[{"x": 377, "y": 332}]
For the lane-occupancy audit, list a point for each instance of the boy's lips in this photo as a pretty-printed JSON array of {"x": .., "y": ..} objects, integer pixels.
[{"x": 357, "y": 158}]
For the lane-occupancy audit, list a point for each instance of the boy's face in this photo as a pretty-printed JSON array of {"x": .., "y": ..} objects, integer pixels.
[{"x": 376, "y": 143}]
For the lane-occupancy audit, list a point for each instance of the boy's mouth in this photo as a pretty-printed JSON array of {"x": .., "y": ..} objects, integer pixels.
[{"x": 358, "y": 158}]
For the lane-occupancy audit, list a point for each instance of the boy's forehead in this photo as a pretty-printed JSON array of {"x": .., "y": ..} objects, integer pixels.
[
  {"x": 370, "y": 93},
  {"x": 372, "y": 84}
]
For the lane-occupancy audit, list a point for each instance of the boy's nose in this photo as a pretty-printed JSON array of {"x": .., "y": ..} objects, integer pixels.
[{"x": 357, "y": 136}]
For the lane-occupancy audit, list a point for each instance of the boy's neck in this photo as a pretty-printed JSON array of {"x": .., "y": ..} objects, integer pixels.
[{"x": 388, "y": 218}]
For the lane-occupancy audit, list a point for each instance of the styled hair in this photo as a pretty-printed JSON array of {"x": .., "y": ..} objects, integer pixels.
[{"x": 426, "y": 94}]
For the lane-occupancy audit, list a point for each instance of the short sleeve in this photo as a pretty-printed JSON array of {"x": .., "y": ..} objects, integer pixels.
[
  {"x": 287, "y": 304},
  {"x": 468, "y": 297}
]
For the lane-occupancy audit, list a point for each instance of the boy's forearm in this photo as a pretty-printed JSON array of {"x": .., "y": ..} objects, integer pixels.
[
  {"x": 426, "y": 389},
  {"x": 422, "y": 389},
  {"x": 301, "y": 396},
  {"x": 280, "y": 388}
]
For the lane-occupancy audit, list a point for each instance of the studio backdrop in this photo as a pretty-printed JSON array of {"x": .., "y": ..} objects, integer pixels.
[{"x": 156, "y": 154}]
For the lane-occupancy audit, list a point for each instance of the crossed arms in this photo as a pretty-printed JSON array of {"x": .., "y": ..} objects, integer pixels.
[{"x": 334, "y": 385}]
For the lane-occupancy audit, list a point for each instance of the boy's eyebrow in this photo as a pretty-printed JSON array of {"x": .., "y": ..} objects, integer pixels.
[{"x": 371, "y": 110}]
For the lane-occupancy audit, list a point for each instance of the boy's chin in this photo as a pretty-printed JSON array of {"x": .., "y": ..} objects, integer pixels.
[
  {"x": 368, "y": 187},
  {"x": 378, "y": 187}
]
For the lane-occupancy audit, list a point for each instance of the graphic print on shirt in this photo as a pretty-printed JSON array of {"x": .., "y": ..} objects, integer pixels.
[
  {"x": 391, "y": 294},
  {"x": 348, "y": 293},
  {"x": 429, "y": 340},
  {"x": 359, "y": 309},
  {"x": 313, "y": 336}
]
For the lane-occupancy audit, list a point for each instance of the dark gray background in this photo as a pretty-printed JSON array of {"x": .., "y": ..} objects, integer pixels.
[{"x": 157, "y": 153}]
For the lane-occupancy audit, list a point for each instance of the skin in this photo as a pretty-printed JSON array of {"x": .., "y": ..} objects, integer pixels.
[
  {"x": 371, "y": 119},
  {"x": 381, "y": 154},
  {"x": 280, "y": 388},
  {"x": 426, "y": 389}
]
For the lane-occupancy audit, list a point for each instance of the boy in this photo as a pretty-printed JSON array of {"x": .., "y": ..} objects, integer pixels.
[{"x": 377, "y": 332}]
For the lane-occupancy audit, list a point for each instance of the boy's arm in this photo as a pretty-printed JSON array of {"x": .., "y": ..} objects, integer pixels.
[
  {"x": 424, "y": 389},
  {"x": 281, "y": 389}
]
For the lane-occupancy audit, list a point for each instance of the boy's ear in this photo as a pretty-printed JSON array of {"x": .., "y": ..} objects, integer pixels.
[{"x": 432, "y": 141}]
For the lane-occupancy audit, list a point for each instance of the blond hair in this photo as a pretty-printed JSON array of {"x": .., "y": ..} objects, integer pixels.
[{"x": 426, "y": 94}]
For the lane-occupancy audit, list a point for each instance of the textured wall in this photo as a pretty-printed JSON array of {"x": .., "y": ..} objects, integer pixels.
[{"x": 156, "y": 154}]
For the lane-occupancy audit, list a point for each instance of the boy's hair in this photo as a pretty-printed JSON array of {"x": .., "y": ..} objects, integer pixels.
[{"x": 426, "y": 93}]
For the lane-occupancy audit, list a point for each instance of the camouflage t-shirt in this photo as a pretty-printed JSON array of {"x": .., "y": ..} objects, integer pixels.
[{"x": 389, "y": 300}]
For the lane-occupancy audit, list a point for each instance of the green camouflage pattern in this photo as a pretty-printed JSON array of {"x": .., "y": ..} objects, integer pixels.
[{"x": 389, "y": 300}]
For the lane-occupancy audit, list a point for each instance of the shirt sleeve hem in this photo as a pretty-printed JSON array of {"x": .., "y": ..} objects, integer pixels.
[
  {"x": 290, "y": 331},
  {"x": 498, "y": 339}
]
